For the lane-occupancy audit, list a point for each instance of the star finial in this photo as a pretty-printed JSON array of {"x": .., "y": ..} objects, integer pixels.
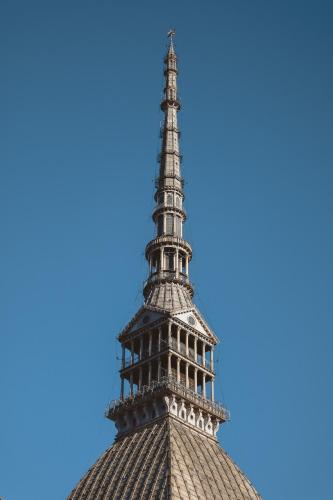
[{"x": 171, "y": 34}]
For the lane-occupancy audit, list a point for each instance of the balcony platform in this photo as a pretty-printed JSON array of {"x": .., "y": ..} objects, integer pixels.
[{"x": 166, "y": 386}]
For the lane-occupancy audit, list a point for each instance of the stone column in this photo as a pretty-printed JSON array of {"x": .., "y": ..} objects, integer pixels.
[
  {"x": 186, "y": 343},
  {"x": 162, "y": 259},
  {"x": 178, "y": 370},
  {"x": 195, "y": 379},
  {"x": 211, "y": 358},
  {"x": 150, "y": 342},
  {"x": 149, "y": 373},
  {"x": 141, "y": 347},
  {"x": 140, "y": 378},
  {"x": 122, "y": 389},
  {"x": 178, "y": 338},
  {"x": 195, "y": 349},
  {"x": 132, "y": 352},
  {"x": 169, "y": 334},
  {"x": 186, "y": 375},
  {"x": 159, "y": 365},
  {"x": 204, "y": 385},
  {"x": 169, "y": 365},
  {"x": 203, "y": 353},
  {"x": 123, "y": 356},
  {"x": 159, "y": 338},
  {"x": 212, "y": 398},
  {"x": 177, "y": 262},
  {"x": 186, "y": 265}
]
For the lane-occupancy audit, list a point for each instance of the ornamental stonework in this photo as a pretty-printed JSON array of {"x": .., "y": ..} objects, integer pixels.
[{"x": 166, "y": 415}]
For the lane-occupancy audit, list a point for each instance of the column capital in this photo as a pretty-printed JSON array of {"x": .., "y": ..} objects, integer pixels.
[{"x": 169, "y": 364}]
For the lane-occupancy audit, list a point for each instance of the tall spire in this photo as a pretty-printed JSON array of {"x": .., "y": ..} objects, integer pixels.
[
  {"x": 169, "y": 253},
  {"x": 171, "y": 34},
  {"x": 166, "y": 416},
  {"x": 171, "y": 346}
]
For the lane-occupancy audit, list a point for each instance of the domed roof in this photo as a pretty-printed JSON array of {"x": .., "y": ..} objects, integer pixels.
[
  {"x": 165, "y": 460},
  {"x": 169, "y": 297}
]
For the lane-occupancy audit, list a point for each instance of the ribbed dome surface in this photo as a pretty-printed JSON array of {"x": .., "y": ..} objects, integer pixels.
[
  {"x": 165, "y": 460},
  {"x": 169, "y": 297}
]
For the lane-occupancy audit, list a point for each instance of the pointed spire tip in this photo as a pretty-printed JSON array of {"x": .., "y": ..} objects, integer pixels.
[{"x": 171, "y": 34}]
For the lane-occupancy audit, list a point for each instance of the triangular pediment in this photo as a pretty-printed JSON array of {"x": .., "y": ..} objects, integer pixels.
[
  {"x": 194, "y": 319},
  {"x": 144, "y": 317},
  {"x": 190, "y": 317}
]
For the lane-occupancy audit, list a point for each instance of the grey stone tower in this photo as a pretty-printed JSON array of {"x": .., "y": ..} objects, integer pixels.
[{"x": 166, "y": 416}]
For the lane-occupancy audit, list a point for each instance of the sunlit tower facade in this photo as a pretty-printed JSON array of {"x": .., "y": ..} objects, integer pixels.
[{"x": 166, "y": 416}]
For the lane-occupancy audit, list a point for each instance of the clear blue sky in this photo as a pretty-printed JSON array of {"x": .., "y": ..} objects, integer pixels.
[{"x": 79, "y": 94}]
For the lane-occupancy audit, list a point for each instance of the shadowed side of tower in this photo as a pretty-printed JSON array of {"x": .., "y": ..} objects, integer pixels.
[{"x": 166, "y": 415}]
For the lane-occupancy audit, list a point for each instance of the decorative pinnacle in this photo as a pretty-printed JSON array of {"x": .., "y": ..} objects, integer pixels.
[{"x": 171, "y": 34}]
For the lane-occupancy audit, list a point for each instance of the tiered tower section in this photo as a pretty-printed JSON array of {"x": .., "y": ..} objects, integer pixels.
[
  {"x": 168, "y": 349},
  {"x": 166, "y": 415},
  {"x": 169, "y": 254}
]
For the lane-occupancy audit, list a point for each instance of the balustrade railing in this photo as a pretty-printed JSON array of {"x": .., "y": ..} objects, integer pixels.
[
  {"x": 160, "y": 275},
  {"x": 176, "y": 387}
]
